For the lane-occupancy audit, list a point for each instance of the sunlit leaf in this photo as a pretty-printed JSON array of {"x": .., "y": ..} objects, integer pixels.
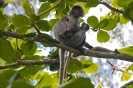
[
  {"x": 29, "y": 71},
  {"x": 43, "y": 8},
  {"x": 27, "y": 7},
  {"x": 103, "y": 23},
  {"x": 123, "y": 20},
  {"x": 78, "y": 83},
  {"x": 45, "y": 82},
  {"x": 99, "y": 86},
  {"x": 92, "y": 21},
  {"x": 125, "y": 76},
  {"x": 123, "y": 3},
  {"x": 43, "y": 25},
  {"x": 91, "y": 69},
  {"x": 111, "y": 25},
  {"x": 20, "y": 21},
  {"x": 130, "y": 67},
  {"x": 102, "y": 36},
  {"x": 86, "y": 63},
  {"x": 74, "y": 65},
  {"x": 127, "y": 50},
  {"x": 52, "y": 22}
]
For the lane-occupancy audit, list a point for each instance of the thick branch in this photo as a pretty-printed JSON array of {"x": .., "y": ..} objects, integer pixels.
[{"x": 105, "y": 53}]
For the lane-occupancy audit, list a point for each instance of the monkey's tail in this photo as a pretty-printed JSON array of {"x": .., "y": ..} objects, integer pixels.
[{"x": 62, "y": 62}]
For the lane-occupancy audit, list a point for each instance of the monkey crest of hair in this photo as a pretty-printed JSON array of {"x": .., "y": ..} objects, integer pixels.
[{"x": 77, "y": 11}]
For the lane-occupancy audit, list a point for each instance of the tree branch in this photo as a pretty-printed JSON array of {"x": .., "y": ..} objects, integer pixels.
[
  {"x": 51, "y": 8},
  {"x": 97, "y": 52},
  {"x": 110, "y": 7},
  {"x": 29, "y": 63},
  {"x": 127, "y": 84},
  {"x": 118, "y": 69}
]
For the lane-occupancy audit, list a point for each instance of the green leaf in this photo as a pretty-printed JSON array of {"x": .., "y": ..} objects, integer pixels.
[
  {"x": 92, "y": 21},
  {"x": 123, "y": 3},
  {"x": 29, "y": 71},
  {"x": 102, "y": 36},
  {"x": 127, "y": 50},
  {"x": 111, "y": 25},
  {"x": 86, "y": 63},
  {"x": 128, "y": 12},
  {"x": 45, "y": 82},
  {"x": 103, "y": 23},
  {"x": 22, "y": 30},
  {"x": 20, "y": 83},
  {"x": 92, "y": 3},
  {"x": 3, "y": 21},
  {"x": 130, "y": 67},
  {"x": 130, "y": 86},
  {"x": 20, "y": 21},
  {"x": 99, "y": 86},
  {"x": 26, "y": 47},
  {"x": 34, "y": 18},
  {"x": 91, "y": 69},
  {"x": 123, "y": 20},
  {"x": 7, "y": 53},
  {"x": 74, "y": 65},
  {"x": 125, "y": 76},
  {"x": 6, "y": 75},
  {"x": 32, "y": 51},
  {"x": 43, "y": 8},
  {"x": 52, "y": 22},
  {"x": 78, "y": 83},
  {"x": 27, "y": 7},
  {"x": 43, "y": 25}
]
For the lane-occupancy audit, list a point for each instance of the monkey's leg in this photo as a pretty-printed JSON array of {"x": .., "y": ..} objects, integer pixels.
[
  {"x": 66, "y": 64},
  {"x": 62, "y": 62}
]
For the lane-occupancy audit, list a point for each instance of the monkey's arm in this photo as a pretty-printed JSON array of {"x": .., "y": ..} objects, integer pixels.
[{"x": 87, "y": 45}]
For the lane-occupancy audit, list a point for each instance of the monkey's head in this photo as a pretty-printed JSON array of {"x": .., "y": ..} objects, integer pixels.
[
  {"x": 77, "y": 11},
  {"x": 85, "y": 26}
]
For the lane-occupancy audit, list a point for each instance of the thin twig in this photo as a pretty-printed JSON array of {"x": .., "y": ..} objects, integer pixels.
[
  {"x": 36, "y": 29},
  {"x": 51, "y": 8},
  {"x": 29, "y": 63},
  {"x": 118, "y": 69},
  {"x": 110, "y": 7}
]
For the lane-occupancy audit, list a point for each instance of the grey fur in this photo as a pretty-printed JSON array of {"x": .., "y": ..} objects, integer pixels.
[{"x": 70, "y": 24}]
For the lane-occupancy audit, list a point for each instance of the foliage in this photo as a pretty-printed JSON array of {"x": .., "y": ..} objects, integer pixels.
[{"x": 33, "y": 27}]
